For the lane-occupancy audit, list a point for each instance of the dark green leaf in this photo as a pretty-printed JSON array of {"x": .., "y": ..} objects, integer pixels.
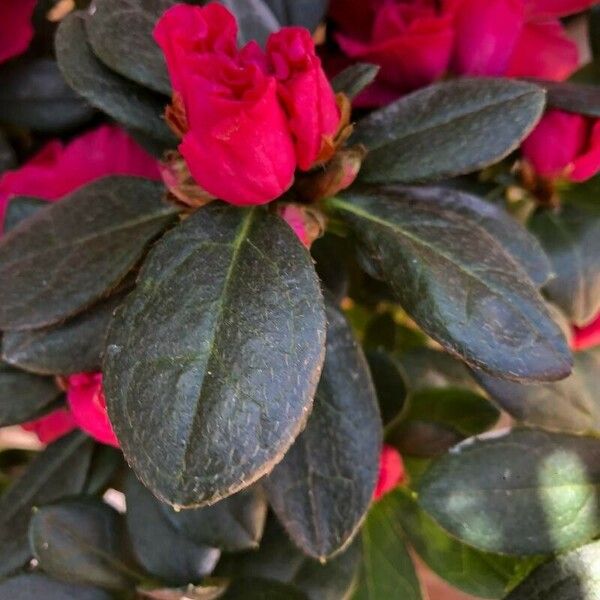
[
  {"x": 71, "y": 253},
  {"x": 522, "y": 493},
  {"x": 448, "y": 129},
  {"x": 331, "y": 254},
  {"x": 19, "y": 209},
  {"x": 280, "y": 560},
  {"x": 120, "y": 98},
  {"x": 571, "y": 239},
  {"x": 571, "y": 405},
  {"x": 323, "y": 487},
  {"x": 120, "y": 33},
  {"x": 24, "y": 396},
  {"x": 106, "y": 463},
  {"x": 354, "y": 79},
  {"x": 389, "y": 384},
  {"x": 34, "y": 95},
  {"x": 75, "y": 346},
  {"x": 7, "y": 156},
  {"x": 81, "y": 541},
  {"x": 457, "y": 281},
  {"x": 303, "y": 13},
  {"x": 211, "y": 369},
  {"x": 158, "y": 545},
  {"x": 36, "y": 586},
  {"x": 232, "y": 524},
  {"x": 479, "y": 573},
  {"x": 387, "y": 570},
  {"x": 255, "y": 19},
  {"x": 261, "y": 589},
  {"x": 573, "y": 97},
  {"x": 572, "y": 576},
  {"x": 58, "y": 471}
]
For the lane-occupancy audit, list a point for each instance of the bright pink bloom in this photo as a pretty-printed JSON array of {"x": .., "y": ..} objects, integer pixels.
[
  {"x": 588, "y": 336},
  {"x": 59, "y": 169},
  {"x": 564, "y": 145},
  {"x": 410, "y": 40},
  {"x": 85, "y": 397},
  {"x": 52, "y": 426},
  {"x": 15, "y": 27},
  {"x": 391, "y": 471},
  {"x": 304, "y": 91}
]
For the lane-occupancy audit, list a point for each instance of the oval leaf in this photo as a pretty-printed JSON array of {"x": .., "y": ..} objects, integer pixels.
[
  {"x": 321, "y": 490},
  {"x": 523, "y": 493},
  {"x": 72, "y": 347},
  {"x": 21, "y": 208},
  {"x": 448, "y": 129},
  {"x": 158, "y": 545},
  {"x": 35, "y": 586},
  {"x": 463, "y": 288},
  {"x": 120, "y": 98},
  {"x": 80, "y": 541},
  {"x": 571, "y": 405},
  {"x": 69, "y": 254},
  {"x": 354, "y": 79},
  {"x": 58, "y": 471},
  {"x": 24, "y": 396},
  {"x": 302, "y": 13},
  {"x": 573, "y": 97},
  {"x": 211, "y": 369}
]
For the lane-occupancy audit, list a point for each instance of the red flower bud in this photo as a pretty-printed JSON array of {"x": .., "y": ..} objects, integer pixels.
[
  {"x": 391, "y": 472},
  {"x": 588, "y": 336}
]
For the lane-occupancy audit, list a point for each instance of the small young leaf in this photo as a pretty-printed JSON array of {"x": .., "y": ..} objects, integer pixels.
[
  {"x": 570, "y": 406},
  {"x": 24, "y": 396},
  {"x": 323, "y": 487},
  {"x": 570, "y": 576},
  {"x": 523, "y": 493},
  {"x": 73, "y": 252},
  {"x": 463, "y": 288},
  {"x": 280, "y": 560},
  {"x": 233, "y": 524},
  {"x": 161, "y": 548},
  {"x": 387, "y": 570},
  {"x": 21, "y": 208},
  {"x": 571, "y": 239},
  {"x": 35, "y": 586},
  {"x": 448, "y": 129},
  {"x": 475, "y": 572},
  {"x": 75, "y": 346},
  {"x": 34, "y": 95},
  {"x": 58, "y": 471},
  {"x": 120, "y": 33},
  {"x": 354, "y": 79},
  {"x": 211, "y": 369},
  {"x": 80, "y": 541},
  {"x": 120, "y": 98}
]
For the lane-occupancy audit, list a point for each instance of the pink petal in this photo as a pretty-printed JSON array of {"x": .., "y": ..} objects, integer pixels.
[
  {"x": 588, "y": 336},
  {"x": 15, "y": 27},
  {"x": 543, "y": 50},
  {"x": 52, "y": 426},
  {"x": 587, "y": 164},
  {"x": 548, "y": 9},
  {"x": 391, "y": 471}
]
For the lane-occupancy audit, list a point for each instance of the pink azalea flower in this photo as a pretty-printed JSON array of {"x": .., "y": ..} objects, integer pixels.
[{"x": 15, "y": 27}]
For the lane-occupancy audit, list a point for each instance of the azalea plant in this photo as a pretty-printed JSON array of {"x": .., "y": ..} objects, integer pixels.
[{"x": 295, "y": 291}]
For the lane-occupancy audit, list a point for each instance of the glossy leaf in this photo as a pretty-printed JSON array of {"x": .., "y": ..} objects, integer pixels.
[
  {"x": 213, "y": 360},
  {"x": 572, "y": 575},
  {"x": 387, "y": 570},
  {"x": 80, "y": 541},
  {"x": 354, "y": 79},
  {"x": 233, "y": 524},
  {"x": 463, "y": 288},
  {"x": 20, "y": 208},
  {"x": 279, "y": 559},
  {"x": 522, "y": 493},
  {"x": 58, "y": 471},
  {"x": 323, "y": 487},
  {"x": 161, "y": 548},
  {"x": 35, "y": 586},
  {"x": 104, "y": 468},
  {"x": 70, "y": 254},
  {"x": 573, "y": 97},
  {"x": 481, "y": 574},
  {"x": 24, "y": 396},
  {"x": 390, "y": 384},
  {"x": 571, "y": 405},
  {"x": 120, "y": 34},
  {"x": 302, "y": 13},
  {"x": 34, "y": 95},
  {"x": 471, "y": 123},
  {"x": 75, "y": 346},
  {"x": 261, "y": 589},
  {"x": 120, "y": 98},
  {"x": 255, "y": 19},
  {"x": 572, "y": 241}
]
